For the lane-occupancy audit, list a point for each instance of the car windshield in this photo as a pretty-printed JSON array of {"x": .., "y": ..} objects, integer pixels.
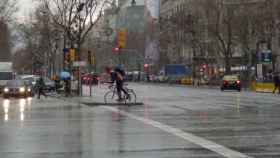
[
  {"x": 15, "y": 83},
  {"x": 6, "y": 75}
]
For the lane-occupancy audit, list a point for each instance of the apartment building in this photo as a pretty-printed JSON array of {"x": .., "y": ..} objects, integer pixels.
[{"x": 174, "y": 18}]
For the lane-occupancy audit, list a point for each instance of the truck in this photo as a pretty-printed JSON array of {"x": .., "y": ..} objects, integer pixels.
[
  {"x": 173, "y": 73},
  {"x": 6, "y": 73},
  {"x": 176, "y": 70}
]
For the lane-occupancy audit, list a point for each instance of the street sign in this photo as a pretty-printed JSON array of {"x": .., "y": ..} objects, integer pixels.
[
  {"x": 122, "y": 38},
  {"x": 65, "y": 50},
  {"x": 266, "y": 57},
  {"x": 79, "y": 64}
]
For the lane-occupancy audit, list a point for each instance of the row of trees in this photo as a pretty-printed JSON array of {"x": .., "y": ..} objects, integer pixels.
[
  {"x": 222, "y": 27},
  {"x": 55, "y": 25},
  {"x": 7, "y": 10}
]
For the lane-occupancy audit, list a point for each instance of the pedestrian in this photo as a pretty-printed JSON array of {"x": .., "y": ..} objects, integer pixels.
[
  {"x": 57, "y": 82},
  {"x": 41, "y": 87},
  {"x": 276, "y": 81},
  {"x": 67, "y": 87}
]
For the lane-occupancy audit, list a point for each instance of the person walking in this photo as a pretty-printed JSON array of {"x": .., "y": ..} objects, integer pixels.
[
  {"x": 276, "y": 81},
  {"x": 40, "y": 87},
  {"x": 67, "y": 87}
]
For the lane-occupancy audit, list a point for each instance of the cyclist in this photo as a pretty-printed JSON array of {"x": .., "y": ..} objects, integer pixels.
[{"x": 117, "y": 75}]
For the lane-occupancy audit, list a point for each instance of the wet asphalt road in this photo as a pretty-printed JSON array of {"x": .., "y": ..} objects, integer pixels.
[{"x": 174, "y": 122}]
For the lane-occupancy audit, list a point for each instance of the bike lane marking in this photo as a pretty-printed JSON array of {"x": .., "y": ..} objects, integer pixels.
[{"x": 207, "y": 144}]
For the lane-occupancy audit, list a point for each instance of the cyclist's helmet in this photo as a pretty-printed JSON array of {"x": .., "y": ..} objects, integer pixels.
[{"x": 119, "y": 67}]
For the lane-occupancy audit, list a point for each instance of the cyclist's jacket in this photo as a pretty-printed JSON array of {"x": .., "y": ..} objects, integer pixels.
[{"x": 117, "y": 75}]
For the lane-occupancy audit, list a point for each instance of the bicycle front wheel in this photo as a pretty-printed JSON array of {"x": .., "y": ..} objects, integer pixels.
[{"x": 110, "y": 97}]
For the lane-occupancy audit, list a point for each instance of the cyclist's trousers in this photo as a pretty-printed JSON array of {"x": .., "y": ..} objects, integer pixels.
[{"x": 120, "y": 88}]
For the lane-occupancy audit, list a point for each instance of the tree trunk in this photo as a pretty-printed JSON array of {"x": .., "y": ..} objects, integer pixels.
[{"x": 227, "y": 65}]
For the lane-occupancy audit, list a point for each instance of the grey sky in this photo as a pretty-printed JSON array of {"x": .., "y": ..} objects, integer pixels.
[{"x": 25, "y": 6}]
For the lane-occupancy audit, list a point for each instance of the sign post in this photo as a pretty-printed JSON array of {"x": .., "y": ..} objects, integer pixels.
[{"x": 79, "y": 65}]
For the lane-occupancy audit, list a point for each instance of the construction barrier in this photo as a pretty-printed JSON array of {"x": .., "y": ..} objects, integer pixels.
[
  {"x": 187, "y": 81},
  {"x": 263, "y": 87}
]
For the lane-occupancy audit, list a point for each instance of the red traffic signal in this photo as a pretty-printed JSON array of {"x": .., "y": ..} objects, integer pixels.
[
  {"x": 146, "y": 66},
  {"x": 204, "y": 66},
  {"x": 116, "y": 50}
]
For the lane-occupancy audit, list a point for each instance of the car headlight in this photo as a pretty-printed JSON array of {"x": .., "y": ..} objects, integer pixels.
[
  {"x": 22, "y": 89},
  {"x": 6, "y": 90}
]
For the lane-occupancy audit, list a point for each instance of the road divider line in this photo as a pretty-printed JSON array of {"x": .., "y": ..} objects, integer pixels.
[{"x": 207, "y": 144}]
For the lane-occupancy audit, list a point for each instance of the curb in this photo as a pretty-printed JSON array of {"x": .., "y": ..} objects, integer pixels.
[{"x": 111, "y": 104}]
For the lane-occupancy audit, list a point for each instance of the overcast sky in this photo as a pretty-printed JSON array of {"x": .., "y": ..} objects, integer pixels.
[{"x": 25, "y": 7}]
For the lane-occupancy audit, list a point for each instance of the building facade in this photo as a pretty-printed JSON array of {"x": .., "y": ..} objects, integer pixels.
[
  {"x": 122, "y": 16},
  {"x": 190, "y": 35}
]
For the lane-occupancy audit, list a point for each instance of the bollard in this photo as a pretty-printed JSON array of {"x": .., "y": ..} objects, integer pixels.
[{"x": 90, "y": 89}]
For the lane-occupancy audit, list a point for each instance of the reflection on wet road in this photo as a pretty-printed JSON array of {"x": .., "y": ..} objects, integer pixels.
[
  {"x": 19, "y": 105},
  {"x": 174, "y": 122}
]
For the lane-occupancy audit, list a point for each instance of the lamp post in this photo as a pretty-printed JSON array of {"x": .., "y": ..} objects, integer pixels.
[{"x": 133, "y": 2}]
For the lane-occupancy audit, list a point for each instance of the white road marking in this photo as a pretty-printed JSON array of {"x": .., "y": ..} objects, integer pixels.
[{"x": 207, "y": 144}]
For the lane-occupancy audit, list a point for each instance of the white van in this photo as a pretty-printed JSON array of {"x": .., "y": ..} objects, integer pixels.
[{"x": 6, "y": 73}]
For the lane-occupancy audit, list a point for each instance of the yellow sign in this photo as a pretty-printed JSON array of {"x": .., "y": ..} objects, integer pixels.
[
  {"x": 72, "y": 55},
  {"x": 122, "y": 36}
]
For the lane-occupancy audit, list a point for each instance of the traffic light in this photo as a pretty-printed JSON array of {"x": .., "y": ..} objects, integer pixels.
[
  {"x": 67, "y": 57},
  {"x": 89, "y": 58},
  {"x": 204, "y": 66},
  {"x": 146, "y": 67},
  {"x": 122, "y": 37},
  {"x": 93, "y": 59},
  {"x": 116, "y": 50},
  {"x": 72, "y": 54}
]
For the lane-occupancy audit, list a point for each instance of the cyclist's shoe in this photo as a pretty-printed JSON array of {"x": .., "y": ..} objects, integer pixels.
[{"x": 128, "y": 97}]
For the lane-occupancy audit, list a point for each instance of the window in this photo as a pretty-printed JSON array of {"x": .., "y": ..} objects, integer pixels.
[{"x": 6, "y": 75}]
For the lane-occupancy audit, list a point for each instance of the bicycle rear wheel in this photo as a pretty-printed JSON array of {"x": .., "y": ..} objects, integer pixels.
[
  {"x": 132, "y": 97},
  {"x": 110, "y": 97}
]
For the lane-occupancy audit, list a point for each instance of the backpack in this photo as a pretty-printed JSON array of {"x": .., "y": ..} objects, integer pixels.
[{"x": 119, "y": 76}]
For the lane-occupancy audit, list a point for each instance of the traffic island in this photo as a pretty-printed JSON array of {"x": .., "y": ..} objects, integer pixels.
[{"x": 112, "y": 104}]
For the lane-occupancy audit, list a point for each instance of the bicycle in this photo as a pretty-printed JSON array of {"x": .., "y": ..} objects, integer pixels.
[{"x": 111, "y": 96}]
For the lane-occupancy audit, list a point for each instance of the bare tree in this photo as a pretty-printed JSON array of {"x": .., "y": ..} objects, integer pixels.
[
  {"x": 40, "y": 40},
  {"x": 7, "y": 9},
  {"x": 76, "y": 18}
]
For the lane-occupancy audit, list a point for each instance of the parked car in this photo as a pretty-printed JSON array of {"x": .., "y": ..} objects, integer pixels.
[
  {"x": 30, "y": 78},
  {"x": 231, "y": 82},
  {"x": 49, "y": 84},
  {"x": 16, "y": 88}
]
